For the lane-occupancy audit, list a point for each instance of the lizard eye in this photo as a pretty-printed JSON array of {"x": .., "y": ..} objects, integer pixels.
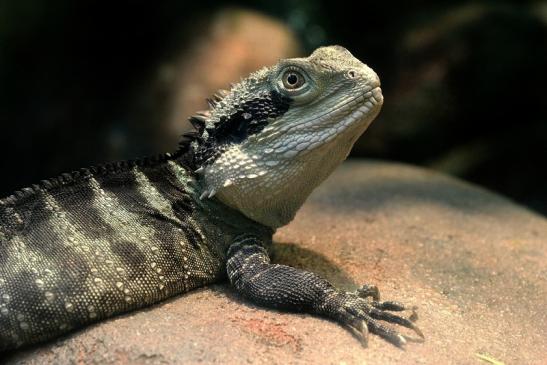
[{"x": 293, "y": 80}]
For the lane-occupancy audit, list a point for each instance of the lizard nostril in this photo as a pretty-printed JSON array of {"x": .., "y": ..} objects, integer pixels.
[{"x": 351, "y": 74}]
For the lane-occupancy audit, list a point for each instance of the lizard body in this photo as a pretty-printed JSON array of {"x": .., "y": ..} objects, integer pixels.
[{"x": 106, "y": 240}]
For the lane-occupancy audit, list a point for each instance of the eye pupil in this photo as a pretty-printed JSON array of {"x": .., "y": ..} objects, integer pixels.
[{"x": 292, "y": 79}]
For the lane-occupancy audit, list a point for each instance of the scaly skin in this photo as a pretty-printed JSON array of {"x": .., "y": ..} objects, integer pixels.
[{"x": 106, "y": 240}]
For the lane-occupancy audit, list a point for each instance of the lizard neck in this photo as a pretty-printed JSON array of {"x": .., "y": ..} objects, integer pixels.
[{"x": 275, "y": 193}]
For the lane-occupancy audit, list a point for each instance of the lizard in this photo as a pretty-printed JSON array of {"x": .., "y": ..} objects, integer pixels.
[{"x": 109, "y": 239}]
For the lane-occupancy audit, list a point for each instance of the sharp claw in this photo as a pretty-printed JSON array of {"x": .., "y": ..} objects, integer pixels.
[
  {"x": 418, "y": 331},
  {"x": 393, "y": 337},
  {"x": 414, "y": 339},
  {"x": 359, "y": 329},
  {"x": 364, "y": 333},
  {"x": 363, "y": 316},
  {"x": 392, "y": 318},
  {"x": 398, "y": 340}
]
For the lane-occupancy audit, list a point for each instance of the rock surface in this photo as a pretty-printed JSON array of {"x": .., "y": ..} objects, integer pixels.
[{"x": 474, "y": 263}]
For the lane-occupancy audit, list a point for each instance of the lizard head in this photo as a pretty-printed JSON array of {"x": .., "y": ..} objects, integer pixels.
[{"x": 269, "y": 141}]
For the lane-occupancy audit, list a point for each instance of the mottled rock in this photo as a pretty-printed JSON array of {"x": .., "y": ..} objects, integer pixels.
[{"x": 473, "y": 262}]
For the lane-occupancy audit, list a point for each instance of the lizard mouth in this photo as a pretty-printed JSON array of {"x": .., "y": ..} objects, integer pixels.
[
  {"x": 369, "y": 99},
  {"x": 365, "y": 105},
  {"x": 357, "y": 114},
  {"x": 356, "y": 107}
]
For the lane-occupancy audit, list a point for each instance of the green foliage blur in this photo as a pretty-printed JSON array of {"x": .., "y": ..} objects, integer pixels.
[{"x": 464, "y": 81}]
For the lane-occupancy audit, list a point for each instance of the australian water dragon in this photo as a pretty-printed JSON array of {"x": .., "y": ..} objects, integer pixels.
[{"x": 109, "y": 239}]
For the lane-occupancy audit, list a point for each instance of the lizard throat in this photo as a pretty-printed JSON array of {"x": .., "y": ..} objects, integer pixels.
[{"x": 270, "y": 187}]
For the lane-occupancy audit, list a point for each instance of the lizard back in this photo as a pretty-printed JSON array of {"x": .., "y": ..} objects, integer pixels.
[{"x": 102, "y": 241}]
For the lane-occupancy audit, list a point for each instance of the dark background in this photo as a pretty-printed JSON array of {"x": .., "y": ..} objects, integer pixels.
[{"x": 464, "y": 82}]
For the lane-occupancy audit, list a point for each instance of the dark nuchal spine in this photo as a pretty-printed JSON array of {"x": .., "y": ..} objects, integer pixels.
[{"x": 247, "y": 118}]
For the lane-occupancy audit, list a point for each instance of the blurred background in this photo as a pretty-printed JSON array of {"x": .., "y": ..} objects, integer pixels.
[{"x": 84, "y": 82}]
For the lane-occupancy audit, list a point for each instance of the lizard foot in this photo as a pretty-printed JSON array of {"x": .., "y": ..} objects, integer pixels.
[{"x": 362, "y": 311}]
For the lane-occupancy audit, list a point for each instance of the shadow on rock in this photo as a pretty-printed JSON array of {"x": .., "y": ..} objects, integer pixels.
[{"x": 291, "y": 254}]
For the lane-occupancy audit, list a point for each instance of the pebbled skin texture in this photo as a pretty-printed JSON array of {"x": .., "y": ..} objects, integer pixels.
[{"x": 106, "y": 240}]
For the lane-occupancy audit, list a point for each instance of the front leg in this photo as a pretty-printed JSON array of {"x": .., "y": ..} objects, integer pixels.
[{"x": 284, "y": 287}]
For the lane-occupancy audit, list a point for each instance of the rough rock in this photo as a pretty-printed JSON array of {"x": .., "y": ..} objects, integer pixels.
[{"x": 473, "y": 262}]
